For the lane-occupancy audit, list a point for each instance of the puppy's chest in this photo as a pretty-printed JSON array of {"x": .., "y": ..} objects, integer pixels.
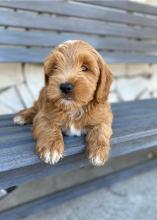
[
  {"x": 72, "y": 130},
  {"x": 73, "y": 125}
]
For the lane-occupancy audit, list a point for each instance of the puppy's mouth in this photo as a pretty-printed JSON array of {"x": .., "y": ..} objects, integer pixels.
[{"x": 67, "y": 97}]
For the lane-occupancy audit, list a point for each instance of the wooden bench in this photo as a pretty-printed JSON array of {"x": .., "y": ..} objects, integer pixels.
[{"x": 123, "y": 32}]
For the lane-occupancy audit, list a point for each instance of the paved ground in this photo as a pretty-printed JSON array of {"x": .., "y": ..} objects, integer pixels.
[{"x": 132, "y": 199}]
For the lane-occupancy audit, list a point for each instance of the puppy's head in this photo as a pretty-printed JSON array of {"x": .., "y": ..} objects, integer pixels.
[{"x": 75, "y": 74}]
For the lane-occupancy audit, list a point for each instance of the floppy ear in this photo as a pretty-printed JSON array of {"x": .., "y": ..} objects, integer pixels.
[{"x": 104, "y": 81}]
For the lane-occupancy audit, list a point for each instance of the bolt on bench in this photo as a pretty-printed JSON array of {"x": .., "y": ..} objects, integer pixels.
[{"x": 123, "y": 32}]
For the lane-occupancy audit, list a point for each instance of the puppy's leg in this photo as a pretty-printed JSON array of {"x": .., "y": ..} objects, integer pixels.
[
  {"x": 26, "y": 116},
  {"x": 50, "y": 145},
  {"x": 98, "y": 145}
]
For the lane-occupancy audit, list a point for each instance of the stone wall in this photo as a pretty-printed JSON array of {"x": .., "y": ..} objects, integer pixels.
[
  {"x": 149, "y": 2},
  {"x": 133, "y": 82},
  {"x": 20, "y": 84}
]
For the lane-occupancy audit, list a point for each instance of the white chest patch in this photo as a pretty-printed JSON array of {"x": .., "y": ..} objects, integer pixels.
[{"x": 72, "y": 131}]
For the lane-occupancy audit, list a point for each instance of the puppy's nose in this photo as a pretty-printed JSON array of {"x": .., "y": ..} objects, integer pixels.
[{"x": 66, "y": 87}]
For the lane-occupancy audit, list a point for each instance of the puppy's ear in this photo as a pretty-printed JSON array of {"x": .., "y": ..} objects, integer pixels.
[{"x": 104, "y": 81}]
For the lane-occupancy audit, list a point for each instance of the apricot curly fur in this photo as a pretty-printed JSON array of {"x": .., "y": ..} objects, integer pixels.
[{"x": 84, "y": 110}]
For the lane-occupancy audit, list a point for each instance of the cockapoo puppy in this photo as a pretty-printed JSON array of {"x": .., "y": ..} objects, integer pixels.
[{"x": 74, "y": 101}]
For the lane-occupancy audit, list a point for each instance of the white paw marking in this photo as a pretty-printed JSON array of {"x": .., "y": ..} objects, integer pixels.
[
  {"x": 51, "y": 158},
  {"x": 19, "y": 120},
  {"x": 3, "y": 192},
  {"x": 96, "y": 160}
]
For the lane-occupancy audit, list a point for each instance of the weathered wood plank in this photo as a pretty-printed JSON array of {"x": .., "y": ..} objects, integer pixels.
[
  {"x": 128, "y": 58},
  {"x": 23, "y": 55},
  {"x": 125, "y": 5},
  {"x": 37, "y": 55},
  {"x": 119, "y": 120},
  {"x": 122, "y": 113},
  {"x": 38, "y": 171},
  {"x": 73, "y": 9},
  {"x": 130, "y": 135},
  {"x": 122, "y": 110},
  {"x": 78, "y": 25},
  {"x": 75, "y": 28},
  {"x": 117, "y": 108},
  {"x": 136, "y": 121},
  {"x": 67, "y": 194},
  {"x": 52, "y": 39}
]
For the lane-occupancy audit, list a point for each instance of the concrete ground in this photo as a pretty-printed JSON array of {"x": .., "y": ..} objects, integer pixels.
[{"x": 132, "y": 199}]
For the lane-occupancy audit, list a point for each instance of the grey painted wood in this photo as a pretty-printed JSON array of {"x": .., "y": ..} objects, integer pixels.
[
  {"x": 121, "y": 120},
  {"x": 22, "y": 154},
  {"x": 25, "y": 136},
  {"x": 25, "y": 55},
  {"x": 130, "y": 135},
  {"x": 125, "y": 5},
  {"x": 38, "y": 171},
  {"x": 122, "y": 112},
  {"x": 52, "y": 39},
  {"x": 67, "y": 194},
  {"x": 135, "y": 119},
  {"x": 119, "y": 108},
  {"x": 126, "y": 58},
  {"x": 73, "y": 9},
  {"x": 119, "y": 38},
  {"x": 37, "y": 55},
  {"x": 15, "y": 19}
]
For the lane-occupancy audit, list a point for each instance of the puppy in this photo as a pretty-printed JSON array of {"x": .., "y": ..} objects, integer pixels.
[{"x": 74, "y": 101}]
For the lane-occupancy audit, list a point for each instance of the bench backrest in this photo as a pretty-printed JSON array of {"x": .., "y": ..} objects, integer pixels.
[{"x": 124, "y": 32}]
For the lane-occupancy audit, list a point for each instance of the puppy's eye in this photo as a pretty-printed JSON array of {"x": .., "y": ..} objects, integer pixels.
[
  {"x": 84, "y": 68},
  {"x": 55, "y": 67}
]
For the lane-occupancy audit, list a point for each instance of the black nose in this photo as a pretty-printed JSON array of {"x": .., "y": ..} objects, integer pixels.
[{"x": 66, "y": 87}]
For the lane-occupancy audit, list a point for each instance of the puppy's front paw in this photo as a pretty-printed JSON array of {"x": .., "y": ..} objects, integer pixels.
[
  {"x": 19, "y": 120},
  {"x": 98, "y": 156},
  {"x": 51, "y": 154}
]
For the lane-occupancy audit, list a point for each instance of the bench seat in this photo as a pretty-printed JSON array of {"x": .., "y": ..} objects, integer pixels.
[{"x": 134, "y": 127}]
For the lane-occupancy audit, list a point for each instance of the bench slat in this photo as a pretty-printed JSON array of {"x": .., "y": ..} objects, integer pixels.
[
  {"x": 139, "y": 115},
  {"x": 37, "y": 55},
  {"x": 15, "y": 19},
  {"x": 75, "y": 191},
  {"x": 119, "y": 109},
  {"x": 118, "y": 32},
  {"x": 125, "y": 5},
  {"x": 42, "y": 39},
  {"x": 23, "y": 132},
  {"x": 17, "y": 150},
  {"x": 73, "y": 9},
  {"x": 40, "y": 170}
]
